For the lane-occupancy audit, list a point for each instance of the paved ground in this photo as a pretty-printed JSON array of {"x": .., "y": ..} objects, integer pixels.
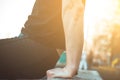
[{"x": 83, "y": 75}]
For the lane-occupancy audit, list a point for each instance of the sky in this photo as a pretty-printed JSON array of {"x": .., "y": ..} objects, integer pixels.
[{"x": 13, "y": 14}]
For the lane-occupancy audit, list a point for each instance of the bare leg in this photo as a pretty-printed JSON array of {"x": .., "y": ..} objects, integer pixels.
[{"x": 72, "y": 13}]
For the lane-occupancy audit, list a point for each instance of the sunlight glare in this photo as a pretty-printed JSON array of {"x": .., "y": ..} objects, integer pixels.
[{"x": 13, "y": 14}]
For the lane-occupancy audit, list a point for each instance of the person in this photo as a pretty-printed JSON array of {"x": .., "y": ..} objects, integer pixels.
[{"x": 52, "y": 25}]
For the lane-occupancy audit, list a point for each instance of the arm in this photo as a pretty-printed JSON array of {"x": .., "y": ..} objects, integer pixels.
[{"x": 72, "y": 15}]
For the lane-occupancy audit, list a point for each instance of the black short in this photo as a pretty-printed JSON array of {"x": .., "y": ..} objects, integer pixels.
[
  {"x": 23, "y": 58},
  {"x": 44, "y": 25}
]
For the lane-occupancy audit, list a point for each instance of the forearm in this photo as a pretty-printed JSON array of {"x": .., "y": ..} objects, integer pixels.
[{"x": 72, "y": 15}]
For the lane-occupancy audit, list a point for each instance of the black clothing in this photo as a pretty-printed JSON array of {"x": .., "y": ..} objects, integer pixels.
[
  {"x": 30, "y": 57},
  {"x": 44, "y": 25}
]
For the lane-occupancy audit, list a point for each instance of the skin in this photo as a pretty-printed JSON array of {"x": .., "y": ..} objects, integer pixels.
[
  {"x": 72, "y": 16},
  {"x": 59, "y": 51}
]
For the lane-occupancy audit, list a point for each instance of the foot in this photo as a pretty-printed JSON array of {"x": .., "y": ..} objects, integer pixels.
[{"x": 61, "y": 73}]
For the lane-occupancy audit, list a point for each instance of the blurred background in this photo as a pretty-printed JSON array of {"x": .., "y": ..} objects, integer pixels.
[
  {"x": 102, "y": 32},
  {"x": 13, "y": 14}
]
